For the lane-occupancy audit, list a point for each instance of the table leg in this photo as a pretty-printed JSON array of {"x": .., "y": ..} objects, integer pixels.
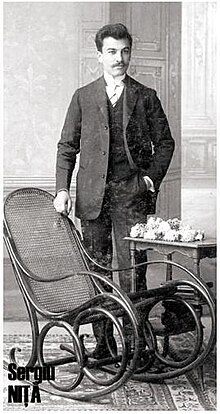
[
  {"x": 133, "y": 272},
  {"x": 169, "y": 267},
  {"x": 196, "y": 262}
]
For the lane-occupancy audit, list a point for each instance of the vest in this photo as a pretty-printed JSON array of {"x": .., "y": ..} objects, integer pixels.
[{"x": 118, "y": 165}]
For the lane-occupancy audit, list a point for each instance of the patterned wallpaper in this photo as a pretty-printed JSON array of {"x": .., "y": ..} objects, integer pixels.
[{"x": 40, "y": 75}]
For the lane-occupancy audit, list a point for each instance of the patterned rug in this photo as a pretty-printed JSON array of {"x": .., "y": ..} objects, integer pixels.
[{"x": 183, "y": 393}]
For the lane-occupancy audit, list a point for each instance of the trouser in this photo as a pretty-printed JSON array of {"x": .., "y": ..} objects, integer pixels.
[{"x": 118, "y": 214}]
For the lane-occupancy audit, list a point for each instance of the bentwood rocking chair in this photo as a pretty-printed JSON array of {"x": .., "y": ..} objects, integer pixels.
[{"x": 53, "y": 272}]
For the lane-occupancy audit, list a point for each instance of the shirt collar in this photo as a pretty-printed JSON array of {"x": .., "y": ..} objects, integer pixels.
[{"x": 110, "y": 81}]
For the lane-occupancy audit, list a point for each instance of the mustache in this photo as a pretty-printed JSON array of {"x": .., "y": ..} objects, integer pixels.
[{"x": 119, "y": 65}]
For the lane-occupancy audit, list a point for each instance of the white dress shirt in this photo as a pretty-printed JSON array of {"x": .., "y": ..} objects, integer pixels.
[{"x": 114, "y": 87}]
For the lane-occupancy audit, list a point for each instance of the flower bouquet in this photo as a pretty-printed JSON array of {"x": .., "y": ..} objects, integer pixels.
[{"x": 169, "y": 230}]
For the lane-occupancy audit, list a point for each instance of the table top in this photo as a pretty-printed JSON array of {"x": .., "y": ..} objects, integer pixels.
[{"x": 206, "y": 243}]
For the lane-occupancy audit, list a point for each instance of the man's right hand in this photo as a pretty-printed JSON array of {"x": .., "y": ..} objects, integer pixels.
[{"x": 63, "y": 202}]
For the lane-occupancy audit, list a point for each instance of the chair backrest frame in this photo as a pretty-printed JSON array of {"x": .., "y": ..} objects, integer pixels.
[{"x": 25, "y": 276}]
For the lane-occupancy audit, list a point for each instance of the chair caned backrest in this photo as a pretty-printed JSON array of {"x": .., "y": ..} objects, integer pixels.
[{"x": 46, "y": 245}]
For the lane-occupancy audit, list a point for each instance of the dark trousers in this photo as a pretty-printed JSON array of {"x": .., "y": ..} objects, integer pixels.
[{"x": 118, "y": 214}]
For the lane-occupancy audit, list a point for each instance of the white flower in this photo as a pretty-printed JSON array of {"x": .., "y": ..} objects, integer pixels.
[
  {"x": 185, "y": 227},
  {"x": 150, "y": 235},
  {"x": 151, "y": 223},
  {"x": 163, "y": 227},
  {"x": 171, "y": 235},
  {"x": 159, "y": 235},
  {"x": 158, "y": 221},
  {"x": 170, "y": 230},
  {"x": 187, "y": 234},
  {"x": 175, "y": 223},
  {"x": 138, "y": 230},
  {"x": 135, "y": 231},
  {"x": 199, "y": 235}
]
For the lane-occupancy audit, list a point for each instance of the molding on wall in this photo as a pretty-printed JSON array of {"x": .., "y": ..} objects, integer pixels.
[
  {"x": 46, "y": 183},
  {"x": 199, "y": 94},
  {"x": 150, "y": 73},
  {"x": 151, "y": 40},
  {"x": 199, "y": 155},
  {"x": 199, "y": 65},
  {"x": 94, "y": 15}
]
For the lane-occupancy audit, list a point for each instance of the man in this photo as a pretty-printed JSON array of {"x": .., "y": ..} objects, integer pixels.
[{"x": 119, "y": 128}]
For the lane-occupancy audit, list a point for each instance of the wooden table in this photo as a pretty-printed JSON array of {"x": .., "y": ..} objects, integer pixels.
[{"x": 195, "y": 250}]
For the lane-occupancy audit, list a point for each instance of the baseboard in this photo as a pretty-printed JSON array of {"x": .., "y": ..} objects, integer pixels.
[{"x": 45, "y": 183}]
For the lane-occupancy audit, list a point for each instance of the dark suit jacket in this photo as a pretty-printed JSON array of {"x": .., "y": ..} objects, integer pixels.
[{"x": 86, "y": 130}]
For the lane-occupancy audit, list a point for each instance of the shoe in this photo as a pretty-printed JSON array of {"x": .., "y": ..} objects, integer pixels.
[{"x": 102, "y": 351}]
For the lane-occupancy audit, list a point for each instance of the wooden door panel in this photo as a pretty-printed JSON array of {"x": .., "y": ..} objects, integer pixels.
[
  {"x": 150, "y": 73},
  {"x": 148, "y": 26},
  {"x": 156, "y": 62}
]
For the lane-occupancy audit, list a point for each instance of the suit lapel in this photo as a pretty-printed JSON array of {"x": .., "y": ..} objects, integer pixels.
[
  {"x": 100, "y": 97},
  {"x": 130, "y": 98}
]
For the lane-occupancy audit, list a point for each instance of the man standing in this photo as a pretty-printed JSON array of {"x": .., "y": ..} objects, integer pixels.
[{"x": 120, "y": 129}]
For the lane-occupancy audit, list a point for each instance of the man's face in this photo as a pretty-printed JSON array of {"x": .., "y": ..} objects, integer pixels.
[{"x": 115, "y": 56}]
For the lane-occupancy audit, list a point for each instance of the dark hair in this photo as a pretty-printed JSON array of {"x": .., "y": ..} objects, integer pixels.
[{"x": 117, "y": 31}]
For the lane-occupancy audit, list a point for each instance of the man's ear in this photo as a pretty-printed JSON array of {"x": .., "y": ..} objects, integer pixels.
[{"x": 99, "y": 55}]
